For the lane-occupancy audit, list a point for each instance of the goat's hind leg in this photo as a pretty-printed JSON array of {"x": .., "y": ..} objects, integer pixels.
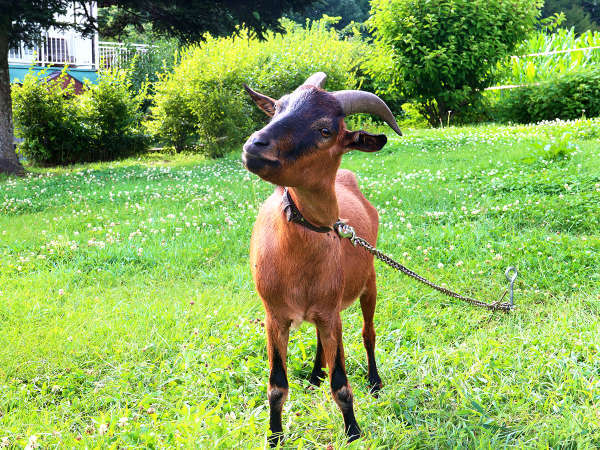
[
  {"x": 317, "y": 375},
  {"x": 367, "y": 303},
  {"x": 277, "y": 391}
]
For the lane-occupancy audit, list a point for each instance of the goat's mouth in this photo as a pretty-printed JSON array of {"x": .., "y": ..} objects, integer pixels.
[{"x": 256, "y": 163}]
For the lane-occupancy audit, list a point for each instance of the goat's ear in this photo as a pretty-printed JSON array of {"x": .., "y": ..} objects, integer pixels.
[
  {"x": 363, "y": 141},
  {"x": 267, "y": 104}
]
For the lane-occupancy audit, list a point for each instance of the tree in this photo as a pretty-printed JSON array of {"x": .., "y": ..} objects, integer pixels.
[
  {"x": 24, "y": 20},
  {"x": 592, "y": 7},
  {"x": 444, "y": 51},
  {"x": 189, "y": 20},
  {"x": 8, "y": 158},
  {"x": 582, "y": 15},
  {"x": 349, "y": 11}
]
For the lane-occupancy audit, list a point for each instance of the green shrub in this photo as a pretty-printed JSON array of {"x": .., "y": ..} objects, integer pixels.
[
  {"x": 566, "y": 96},
  {"x": 411, "y": 117},
  {"x": 111, "y": 115},
  {"x": 202, "y": 104},
  {"x": 440, "y": 53},
  {"x": 45, "y": 116},
  {"x": 59, "y": 127},
  {"x": 145, "y": 68}
]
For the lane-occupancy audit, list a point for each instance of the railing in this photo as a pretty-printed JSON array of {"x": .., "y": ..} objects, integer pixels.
[
  {"x": 117, "y": 54},
  {"x": 22, "y": 54},
  {"x": 56, "y": 49},
  {"x": 15, "y": 54}
]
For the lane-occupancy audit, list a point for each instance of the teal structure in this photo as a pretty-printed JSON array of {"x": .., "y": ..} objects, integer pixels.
[{"x": 17, "y": 72}]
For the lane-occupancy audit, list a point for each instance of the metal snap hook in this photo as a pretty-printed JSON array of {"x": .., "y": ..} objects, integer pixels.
[
  {"x": 511, "y": 275},
  {"x": 346, "y": 232}
]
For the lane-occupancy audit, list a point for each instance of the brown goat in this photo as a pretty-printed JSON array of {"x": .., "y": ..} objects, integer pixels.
[{"x": 303, "y": 271}]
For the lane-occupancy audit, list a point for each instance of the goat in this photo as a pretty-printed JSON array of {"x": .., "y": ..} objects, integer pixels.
[{"x": 303, "y": 271}]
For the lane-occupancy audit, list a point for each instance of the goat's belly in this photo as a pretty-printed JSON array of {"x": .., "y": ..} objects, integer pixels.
[
  {"x": 302, "y": 289},
  {"x": 353, "y": 288},
  {"x": 358, "y": 268}
]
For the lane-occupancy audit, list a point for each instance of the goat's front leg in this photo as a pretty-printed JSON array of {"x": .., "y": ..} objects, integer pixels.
[
  {"x": 330, "y": 332},
  {"x": 277, "y": 341}
]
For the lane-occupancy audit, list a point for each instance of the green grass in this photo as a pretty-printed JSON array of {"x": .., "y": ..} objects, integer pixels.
[{"x": 128, "y": 317}]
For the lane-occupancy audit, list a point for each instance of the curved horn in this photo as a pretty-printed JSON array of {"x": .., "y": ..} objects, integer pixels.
[
  {"x": 364, "y": 102},
  {"x": 316, "y": 79}
]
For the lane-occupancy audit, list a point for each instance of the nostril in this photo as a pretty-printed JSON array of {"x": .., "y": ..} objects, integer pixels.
[{"x": 260, "y": 142}]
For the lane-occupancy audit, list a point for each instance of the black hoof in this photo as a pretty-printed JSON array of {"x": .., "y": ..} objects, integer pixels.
[
  {"x": 375, "y": 387},
  {"x": 316, "y": 378},
  {"x": 353, "y": 433},
  {"x": 275, "y": 439}
]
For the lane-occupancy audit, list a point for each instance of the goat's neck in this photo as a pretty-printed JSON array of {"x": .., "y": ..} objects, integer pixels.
[{"x": 318, "y": 205}]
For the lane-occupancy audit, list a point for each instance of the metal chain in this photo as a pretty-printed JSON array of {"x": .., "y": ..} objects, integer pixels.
[{"x": 346, "y": 231}]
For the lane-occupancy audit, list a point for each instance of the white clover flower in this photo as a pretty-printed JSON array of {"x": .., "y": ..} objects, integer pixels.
[{"x": 32, "y": 443}]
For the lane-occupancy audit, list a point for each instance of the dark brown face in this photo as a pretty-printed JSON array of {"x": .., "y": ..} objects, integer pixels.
[
  {"x": 305, "y": 126},
  {"x": 303, "y": 122}
]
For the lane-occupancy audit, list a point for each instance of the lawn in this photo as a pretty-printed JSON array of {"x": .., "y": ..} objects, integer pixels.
[{"x": 128, "y": 316}]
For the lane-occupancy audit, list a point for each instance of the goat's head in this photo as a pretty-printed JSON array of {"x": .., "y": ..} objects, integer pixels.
[{"x": 307, "y": 134}]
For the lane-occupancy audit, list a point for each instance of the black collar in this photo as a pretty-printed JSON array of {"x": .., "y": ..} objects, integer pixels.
[{"x": 294, "y": 215}]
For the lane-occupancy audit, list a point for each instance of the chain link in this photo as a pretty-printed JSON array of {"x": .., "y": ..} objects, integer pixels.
[{"x": 346, "y": 231}]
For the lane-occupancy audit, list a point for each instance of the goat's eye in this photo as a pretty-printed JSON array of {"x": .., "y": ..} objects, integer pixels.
[{"x": 325, "y": 132}]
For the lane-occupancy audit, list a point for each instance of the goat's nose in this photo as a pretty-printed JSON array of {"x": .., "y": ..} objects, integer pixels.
[
  {"x": 259, "y": 141},
  {"x": 256, "y": 144}
]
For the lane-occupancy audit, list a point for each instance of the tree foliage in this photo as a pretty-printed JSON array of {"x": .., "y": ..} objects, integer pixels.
[
  {"x": 592, "y": 7},
  {"x": 23, "y": 21},
  {"x": 348, "y": 10},
  {"x": 582, "y": 15},
  {"x": 444, "y": 51},
  {"x": 191, "y": 19}
]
